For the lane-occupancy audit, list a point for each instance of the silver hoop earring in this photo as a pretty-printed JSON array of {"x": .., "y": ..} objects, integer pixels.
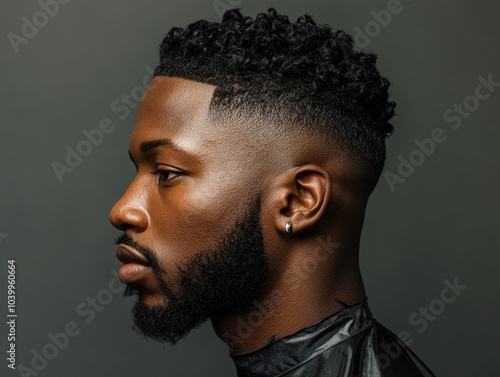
[{"x": 288, "y": 229}]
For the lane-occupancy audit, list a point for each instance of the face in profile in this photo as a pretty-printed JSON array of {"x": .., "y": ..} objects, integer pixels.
[{"x": 192, "y": 242}]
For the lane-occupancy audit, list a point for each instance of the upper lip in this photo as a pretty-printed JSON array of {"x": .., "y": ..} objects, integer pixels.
[{"x": 127, "y": 254}]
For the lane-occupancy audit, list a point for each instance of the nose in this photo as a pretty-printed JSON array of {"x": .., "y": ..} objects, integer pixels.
[{"x": 130, "y": 213}]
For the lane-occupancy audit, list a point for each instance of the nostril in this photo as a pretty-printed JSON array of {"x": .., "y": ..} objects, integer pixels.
[{"x": 125, "y": 226}]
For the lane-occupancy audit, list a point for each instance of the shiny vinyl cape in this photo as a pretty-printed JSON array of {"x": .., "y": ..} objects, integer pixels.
[{"x": 350, "y": 343}]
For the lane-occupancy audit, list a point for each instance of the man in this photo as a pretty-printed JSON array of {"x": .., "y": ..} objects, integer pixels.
[{"x": 257, "y": 145}]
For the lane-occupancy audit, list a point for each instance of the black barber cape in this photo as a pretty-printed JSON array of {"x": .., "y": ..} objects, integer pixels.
[{"x": 348, "y": 343}]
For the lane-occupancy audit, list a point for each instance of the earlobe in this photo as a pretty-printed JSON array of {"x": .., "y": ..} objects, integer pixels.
[{"x": 302, "y": 196}]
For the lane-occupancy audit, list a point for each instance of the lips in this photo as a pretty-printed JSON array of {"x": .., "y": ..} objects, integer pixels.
[{"x": 135, "y": 265}]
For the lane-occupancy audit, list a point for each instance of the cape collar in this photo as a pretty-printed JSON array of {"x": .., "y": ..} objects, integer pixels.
[{"x": 285, "y": 354}]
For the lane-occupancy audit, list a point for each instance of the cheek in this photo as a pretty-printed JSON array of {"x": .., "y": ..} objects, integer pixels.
[{"x": 188, "y": 218}]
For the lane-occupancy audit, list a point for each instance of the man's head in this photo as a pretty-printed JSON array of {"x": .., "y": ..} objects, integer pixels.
[{"x": 247, "y": 125}]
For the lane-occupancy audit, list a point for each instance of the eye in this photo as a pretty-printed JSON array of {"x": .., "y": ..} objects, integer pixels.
[{"x": 166, "y": 175}]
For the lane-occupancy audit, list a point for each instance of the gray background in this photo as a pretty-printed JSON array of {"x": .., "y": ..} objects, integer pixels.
[{"x": 439, "y": 224}]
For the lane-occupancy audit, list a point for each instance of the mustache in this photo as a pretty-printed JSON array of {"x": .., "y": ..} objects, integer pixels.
[{"x": 148, "y": 253}]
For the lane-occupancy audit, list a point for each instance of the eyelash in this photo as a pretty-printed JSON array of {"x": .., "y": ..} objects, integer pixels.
[{"x": 161, "y": 172}]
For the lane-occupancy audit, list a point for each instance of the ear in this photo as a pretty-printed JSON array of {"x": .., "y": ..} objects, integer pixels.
[{"x": 300, "y": 196}]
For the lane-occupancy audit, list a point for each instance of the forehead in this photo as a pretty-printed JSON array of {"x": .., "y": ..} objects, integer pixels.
[{"x": 173, "y": 108}]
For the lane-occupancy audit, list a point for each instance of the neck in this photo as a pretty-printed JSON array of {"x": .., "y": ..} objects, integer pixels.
[{"x": 315, "y": 282}]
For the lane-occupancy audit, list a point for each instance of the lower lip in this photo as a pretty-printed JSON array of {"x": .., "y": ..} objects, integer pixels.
[{"x": 131, "y": 272}]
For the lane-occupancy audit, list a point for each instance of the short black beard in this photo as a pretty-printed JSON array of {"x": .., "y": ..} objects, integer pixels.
[{"x": 214, "y": 281}]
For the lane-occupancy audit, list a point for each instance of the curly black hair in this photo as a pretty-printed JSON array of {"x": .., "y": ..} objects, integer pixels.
[{"x": 300, "y": 74}]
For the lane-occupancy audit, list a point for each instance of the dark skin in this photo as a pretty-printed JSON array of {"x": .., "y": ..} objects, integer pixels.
[{"x": 207, "y": 173}]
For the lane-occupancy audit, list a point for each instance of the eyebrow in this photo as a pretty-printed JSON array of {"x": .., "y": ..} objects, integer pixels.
[
  {"x": 151, "y": 145},
  {"x": 148, "y": 146}
]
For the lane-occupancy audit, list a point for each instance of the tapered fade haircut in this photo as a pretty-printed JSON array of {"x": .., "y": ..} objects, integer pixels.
[{"x": 298, "y": 74}]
